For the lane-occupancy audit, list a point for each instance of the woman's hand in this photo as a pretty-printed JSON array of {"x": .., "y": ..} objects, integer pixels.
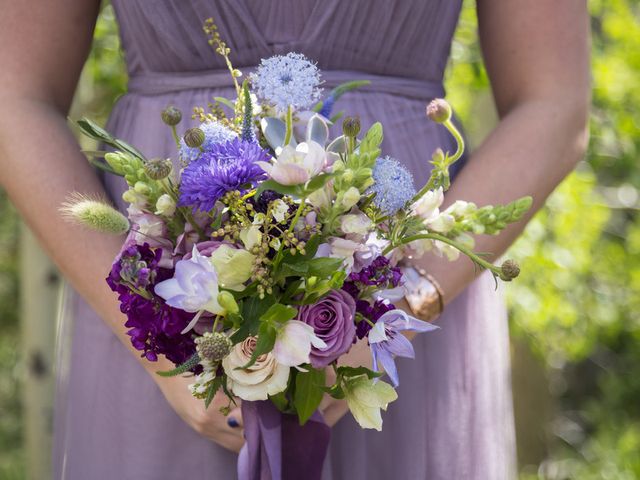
[{"x": 225, "y": 431}]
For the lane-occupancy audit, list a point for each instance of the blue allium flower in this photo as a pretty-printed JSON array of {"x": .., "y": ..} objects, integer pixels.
[
  {"x": 284, "y": 80},
  {"x": 393, "y": 185},
  {"x": 223, "y": 168},
  {"x": 214, "y": 133}
]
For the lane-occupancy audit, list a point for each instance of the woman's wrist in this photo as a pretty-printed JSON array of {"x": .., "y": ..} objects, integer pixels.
[{"x": 423, "y": 293}]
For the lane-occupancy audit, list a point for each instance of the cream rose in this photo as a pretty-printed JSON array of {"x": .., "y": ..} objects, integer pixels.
[{"x": 265, "y": 377}]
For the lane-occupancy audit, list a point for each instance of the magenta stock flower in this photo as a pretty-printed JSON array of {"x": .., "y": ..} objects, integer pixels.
[{"x": 332, "y": 319}]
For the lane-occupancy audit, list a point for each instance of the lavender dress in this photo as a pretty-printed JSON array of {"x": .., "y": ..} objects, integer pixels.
[{"x": 453, "y": 419}]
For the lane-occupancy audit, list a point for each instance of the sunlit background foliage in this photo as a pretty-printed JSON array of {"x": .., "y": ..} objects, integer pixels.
[{"x": 575, "y": 311}]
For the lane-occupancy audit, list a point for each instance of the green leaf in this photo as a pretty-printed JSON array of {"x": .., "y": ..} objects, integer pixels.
[
  {"x": 251, "y": 310},
  {"x": 372, "y": 140},
  {"x": 293, "y": 190},
  {"x": 214, "y": 386},
  {"x": 318, "y": 182},
  {"x": 357, "y": 371},
  {"x": 182, "y": 368},
  {"x": 323, "y": 267},
  {"x": 279, "y": 313},
  {"x": 93, "y": 130},
  {"x": 226, "y": 102},
  {"x": 281, "y": 401},
  {"x": 308, "y": 394},
  {"x": 266, "y": 341}
]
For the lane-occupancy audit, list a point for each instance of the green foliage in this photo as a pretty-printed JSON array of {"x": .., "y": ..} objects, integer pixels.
[
  {"x": 577, "y": 299},
  {"x": 308, "y": 395}
]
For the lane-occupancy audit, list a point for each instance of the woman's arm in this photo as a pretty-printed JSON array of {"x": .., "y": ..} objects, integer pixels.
[
  {"x": 537, "y": 57},
  {"x": 44, "y": 46}
]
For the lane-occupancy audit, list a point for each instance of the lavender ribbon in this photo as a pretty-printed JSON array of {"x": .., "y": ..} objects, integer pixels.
[{"x": 278, "y": 448}]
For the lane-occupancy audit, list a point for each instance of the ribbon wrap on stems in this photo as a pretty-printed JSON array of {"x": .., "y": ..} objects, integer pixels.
[{"x": 277, "y": 447}]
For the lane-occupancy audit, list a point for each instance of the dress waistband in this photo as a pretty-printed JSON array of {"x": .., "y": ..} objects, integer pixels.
[{"x": 160, "y": 83}]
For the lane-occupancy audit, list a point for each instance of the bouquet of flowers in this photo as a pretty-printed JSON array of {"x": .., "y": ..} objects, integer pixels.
[{"x": 268, "y": 249}]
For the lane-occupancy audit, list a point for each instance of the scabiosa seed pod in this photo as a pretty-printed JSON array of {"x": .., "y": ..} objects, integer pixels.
[
  {"x": 351, "y": 126},
  {"x": 509, "y": 270},
  {"x": 439, "y": 110},
  {"x": 158, "y": 168},
  {"x": 213, "y": 346},
  {"x": 194, "y": 137},
  {"x": 171, "y": 116},
  {"x": 95, "y": 214}
]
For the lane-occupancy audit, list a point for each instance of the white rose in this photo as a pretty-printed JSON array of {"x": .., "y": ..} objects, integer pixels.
[{"x": 265, "y": 377}]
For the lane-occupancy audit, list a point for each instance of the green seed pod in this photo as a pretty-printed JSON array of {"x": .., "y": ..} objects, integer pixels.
[
  {"x": 158, "y": 168},
  {"x": 194, "y": 137},
  {"x": 213, "y": 346},
  {"x": 171, "y": 116},
  {"x": 95, "y": 214},
  {"x": 509, "y": 270},
  {"x": 351, "y": 126},
  {"x": 228, "y": 302}
]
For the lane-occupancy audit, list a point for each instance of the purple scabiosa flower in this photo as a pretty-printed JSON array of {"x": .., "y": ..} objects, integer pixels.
[
  {"x": 214, "y": 133},
  {"x": 154, "y": 326},
  {"x": 393, "y": 185},
  {"x": 225, "y": 167},
  {"x": 386, "y": 340},
  {"x": 287, "y": 80}
]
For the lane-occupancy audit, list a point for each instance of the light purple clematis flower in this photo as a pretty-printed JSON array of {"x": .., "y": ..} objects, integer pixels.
[{"x": 387, "y": 341}]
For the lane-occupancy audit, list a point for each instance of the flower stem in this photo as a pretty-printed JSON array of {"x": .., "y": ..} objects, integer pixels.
[
  {"x": 289, "y": 126},
  {"x": 176, "y": 138},
  {"x": 459, "y": 140},
  {"x": 436, "y": 236}
]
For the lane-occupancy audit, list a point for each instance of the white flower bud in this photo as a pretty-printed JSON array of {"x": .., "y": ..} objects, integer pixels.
[
  {"x": 165, "y": 205},
  {"x": 350, "y": 197}
]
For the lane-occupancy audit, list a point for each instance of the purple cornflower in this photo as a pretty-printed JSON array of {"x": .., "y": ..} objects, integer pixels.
[
  {"x": 225, "y": 167},
  {"x": 386, "y": 340},
  {"x": 154, "y": 327}
]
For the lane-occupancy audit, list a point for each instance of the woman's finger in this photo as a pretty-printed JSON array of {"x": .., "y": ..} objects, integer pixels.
[{"x": 234, "y": 419}]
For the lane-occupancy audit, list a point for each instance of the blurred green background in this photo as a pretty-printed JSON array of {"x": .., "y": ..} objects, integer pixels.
[{"x": 575, "y": 311}]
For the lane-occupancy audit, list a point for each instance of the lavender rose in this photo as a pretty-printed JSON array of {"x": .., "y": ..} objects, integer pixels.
[{"x": 332, "y": 319}]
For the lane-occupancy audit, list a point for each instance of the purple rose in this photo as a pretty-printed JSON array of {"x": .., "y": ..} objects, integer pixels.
[{"x": 332, "y": 319}]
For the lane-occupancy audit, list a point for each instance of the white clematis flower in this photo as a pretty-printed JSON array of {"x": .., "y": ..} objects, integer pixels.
[
  {"x": 365, "y": 397},
  {"x": 295, "y": 166},
  {"x": 293, "y": 343}
]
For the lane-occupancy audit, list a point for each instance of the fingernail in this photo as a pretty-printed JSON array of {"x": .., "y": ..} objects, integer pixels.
[{"x": 232, "y": 422}]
